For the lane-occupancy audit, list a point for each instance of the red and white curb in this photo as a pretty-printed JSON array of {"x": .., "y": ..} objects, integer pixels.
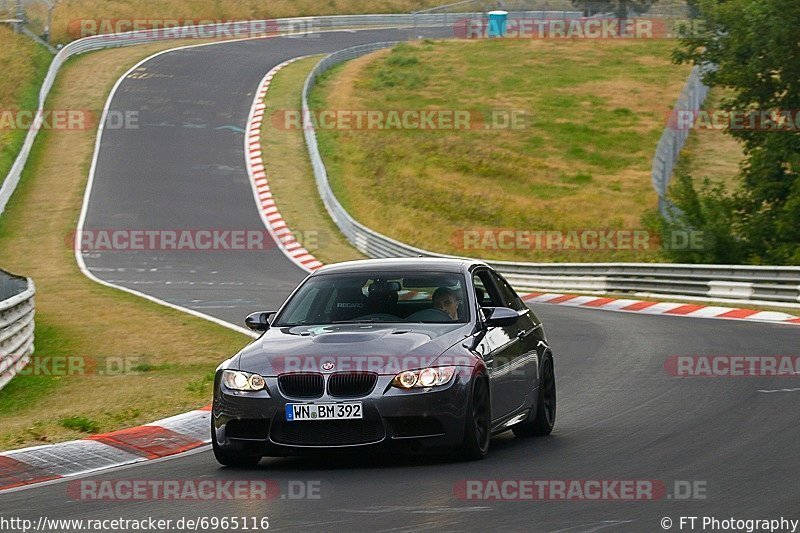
[
  {"x": 259, "y": 181},
  {"x": 190, "y": 430},
  {"x": 166, "y": 437},
  {"x": 176, "y": 434},
  {"x": 294, "y": 250},
  {"x": 661, "y": 308},
  {"x": 179, "y": 433}
]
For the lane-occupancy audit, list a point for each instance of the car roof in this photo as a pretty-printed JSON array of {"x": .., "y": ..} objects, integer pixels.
[{"x": 407, "y": 264}]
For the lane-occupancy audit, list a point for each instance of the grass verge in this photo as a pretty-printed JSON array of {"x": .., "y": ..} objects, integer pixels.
[
  {"x": 77, "y": 18},
  {"x": 23, "y": 65},
  {"x": 293, "y": 186},
  {"x": 594, "y": 112},
  {"x": 289, "y": 169},
  {"x": 133, "y": 361},
  {"x": 710, "y": 152}
]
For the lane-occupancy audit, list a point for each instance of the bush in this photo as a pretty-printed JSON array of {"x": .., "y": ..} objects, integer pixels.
[
  {"x": 709, "y": 215},
  {"x": 80, "y": 423}
]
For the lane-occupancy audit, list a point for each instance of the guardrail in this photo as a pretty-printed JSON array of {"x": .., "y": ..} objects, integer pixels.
[
  {"x": 252, "y": 28},
  {"x": 448, "y": 18},
  {"x": 240, "y": 29},
  {"x": 770, "y": 284},
  {"x": 717, "y": 282},
  {"x": 673, "y": 139},
  {"x": 17, "y": 308}
]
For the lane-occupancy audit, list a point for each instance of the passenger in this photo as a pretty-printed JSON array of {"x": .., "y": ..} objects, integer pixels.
[{"x": 446, "y": 300}]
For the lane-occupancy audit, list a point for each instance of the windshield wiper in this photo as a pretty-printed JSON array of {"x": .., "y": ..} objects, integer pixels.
[
  {"x": 291, "y": 325},
  {"x": 367, "y": 321}
]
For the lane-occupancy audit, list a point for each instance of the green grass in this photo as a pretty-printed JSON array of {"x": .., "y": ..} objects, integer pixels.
[
  {"x": 80, "y": 424},
  {"x": 711, "y": 153},
  {"x": 592, "y": 112},
  {"x": 289, "y": 169},
  {"x": 28, "y": 388},
  {"x": 202, "y": 386},
  {"x": 23, "y": 65},
  {"x": 67, "y": 16},
  {"x": 171, "y": 353}
]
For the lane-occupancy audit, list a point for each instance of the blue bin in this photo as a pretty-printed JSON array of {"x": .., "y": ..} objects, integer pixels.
[{"x": 497, "y": 23}]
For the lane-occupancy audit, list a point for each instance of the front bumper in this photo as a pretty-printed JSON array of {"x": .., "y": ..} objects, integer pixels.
[{"x": 416, "y": 419}]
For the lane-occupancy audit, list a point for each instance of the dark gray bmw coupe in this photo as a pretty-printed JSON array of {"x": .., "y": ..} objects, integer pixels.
[{"x": 409, "y": 353}]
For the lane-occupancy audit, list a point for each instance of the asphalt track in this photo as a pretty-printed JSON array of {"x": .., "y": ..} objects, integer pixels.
[
  {"x": 184, "y": 167},
  {"x": 621, "y": 416}
]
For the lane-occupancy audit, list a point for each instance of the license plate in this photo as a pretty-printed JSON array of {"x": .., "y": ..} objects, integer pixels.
[{"x": 323, "y": 411}]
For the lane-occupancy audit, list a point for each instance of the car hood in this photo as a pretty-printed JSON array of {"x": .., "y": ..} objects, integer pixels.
[{"x": 380, "y": 348}]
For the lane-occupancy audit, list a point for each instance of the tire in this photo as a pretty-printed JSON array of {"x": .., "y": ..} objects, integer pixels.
[
  {"x": 229, "y": 459},
  {"x": 541, "y": 422},
  {"x": 477, "y": 431}
]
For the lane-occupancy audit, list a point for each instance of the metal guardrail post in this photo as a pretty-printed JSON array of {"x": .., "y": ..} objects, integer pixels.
[{"x": 20, "y": 16}]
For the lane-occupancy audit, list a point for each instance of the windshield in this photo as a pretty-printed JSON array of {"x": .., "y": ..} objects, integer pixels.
[{"x": 371, "y": 297}]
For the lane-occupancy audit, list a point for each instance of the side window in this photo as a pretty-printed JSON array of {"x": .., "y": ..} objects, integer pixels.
[
  {"x": 485, "y": 291},
  {"x": 507, "y": 294}
]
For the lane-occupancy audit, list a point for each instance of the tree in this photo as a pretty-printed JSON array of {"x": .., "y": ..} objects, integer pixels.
[{"x": 754, "y": 48}]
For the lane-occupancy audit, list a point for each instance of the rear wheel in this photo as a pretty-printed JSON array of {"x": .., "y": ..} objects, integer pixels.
[
  {"x": 231, "y": 459},
  {"x": 541, "y": 422},
  {"x": 477, "y": 432}
]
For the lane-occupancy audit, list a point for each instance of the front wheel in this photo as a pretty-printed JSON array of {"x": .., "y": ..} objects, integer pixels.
[
  {"x": 477, "y": 432},
  {"x": 541, "y": 422}
]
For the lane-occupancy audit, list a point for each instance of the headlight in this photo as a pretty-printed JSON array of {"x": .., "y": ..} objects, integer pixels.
[
  {"x": 243, "y": 381},
  {"x": 427, "y": 377}
]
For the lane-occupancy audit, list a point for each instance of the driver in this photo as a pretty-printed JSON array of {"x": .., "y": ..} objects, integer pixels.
[{"x": 446, "y": 300}]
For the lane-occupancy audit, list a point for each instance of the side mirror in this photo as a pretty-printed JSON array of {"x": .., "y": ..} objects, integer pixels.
[
  {"x": 500, "y": 317},
  {"x": 258, "y": 321}
]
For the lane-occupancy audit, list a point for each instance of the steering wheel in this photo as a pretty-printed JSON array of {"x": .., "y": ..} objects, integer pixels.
[
  {"x": 430, "y": 315},
  {"x": 378, "y": 317}
]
